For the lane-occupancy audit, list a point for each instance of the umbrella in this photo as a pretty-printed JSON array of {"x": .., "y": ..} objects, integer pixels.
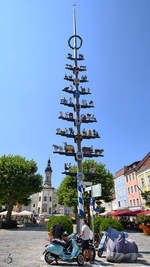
[
  {"x": 104, "y": 213},
  {"x": 5, "y": 213},
  {"x": 25, "y": 213}
]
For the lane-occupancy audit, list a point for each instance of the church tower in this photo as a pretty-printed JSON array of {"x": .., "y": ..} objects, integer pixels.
[{"x": 48, "y": 174}]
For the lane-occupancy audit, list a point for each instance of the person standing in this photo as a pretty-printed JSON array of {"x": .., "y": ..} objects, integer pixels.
[{"x": 85, "y": 235}]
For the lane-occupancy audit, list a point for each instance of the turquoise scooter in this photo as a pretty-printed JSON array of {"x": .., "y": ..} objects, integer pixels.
[{"x": 57, "y": 250}]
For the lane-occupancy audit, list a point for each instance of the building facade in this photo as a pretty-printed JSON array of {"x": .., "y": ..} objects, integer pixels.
[
  {"x": 120, "y": 189},
  {"x": 143, "y": 176},
  {"x": 133, "y": 193}
]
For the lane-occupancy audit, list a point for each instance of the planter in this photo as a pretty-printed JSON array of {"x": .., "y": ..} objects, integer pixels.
[{"x": 145, "y": 228}]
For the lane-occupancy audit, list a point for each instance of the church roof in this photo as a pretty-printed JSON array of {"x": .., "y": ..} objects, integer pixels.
[{"x": 48, "y": 168}]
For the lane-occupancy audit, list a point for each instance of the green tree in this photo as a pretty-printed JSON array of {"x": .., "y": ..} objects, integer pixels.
[
  {"x": 18, "y": 181},
  {"x": 67, "y": 191},
  {"x": 146, "y": 196}
]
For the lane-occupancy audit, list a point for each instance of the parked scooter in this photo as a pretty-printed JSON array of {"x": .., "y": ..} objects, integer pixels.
[
  {"x": 57, "y": 250},
  {"x": 102, "y": 246}
]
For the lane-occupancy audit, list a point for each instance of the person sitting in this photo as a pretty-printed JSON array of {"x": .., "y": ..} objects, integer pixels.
[{"x": 57, "y": 231}]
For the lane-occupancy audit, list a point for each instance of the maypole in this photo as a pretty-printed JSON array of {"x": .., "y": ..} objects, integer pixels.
[{"x": 77, "y": 118}]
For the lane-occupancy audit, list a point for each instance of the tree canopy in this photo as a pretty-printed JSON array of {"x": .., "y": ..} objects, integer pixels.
[
  {"x": 146, "y": 196},
  {"x": 18, "y": 181},
  {"x": 67, "y": 191}
]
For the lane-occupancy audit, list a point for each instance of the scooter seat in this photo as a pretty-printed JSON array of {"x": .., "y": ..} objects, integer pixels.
[{"x": 59, "y": 242}]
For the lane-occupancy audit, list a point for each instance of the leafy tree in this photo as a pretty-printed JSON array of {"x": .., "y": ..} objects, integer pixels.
[
  {"x": 67, "y": 192},
  {"x": 18, "y": 181},
  {"x": 146, "y": 196}
]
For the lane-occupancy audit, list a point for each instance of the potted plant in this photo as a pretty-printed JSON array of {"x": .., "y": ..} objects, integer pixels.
[{"x": 144, "y": 223}]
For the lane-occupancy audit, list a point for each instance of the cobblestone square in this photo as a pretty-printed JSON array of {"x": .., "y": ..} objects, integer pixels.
[{"x": 25, "y": 246}]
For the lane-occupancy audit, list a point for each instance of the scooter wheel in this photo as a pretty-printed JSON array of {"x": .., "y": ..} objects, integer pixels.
[
  {"x": 100, "y": 252},
  {"x": 80, "y": 259},
  {"x": 48, "y": 258}
]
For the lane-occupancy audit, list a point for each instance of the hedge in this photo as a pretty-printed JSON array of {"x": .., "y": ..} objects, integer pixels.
[
  {"x": 114, "y": 223},
  {"x": 97, "y": 223},
  {"x": 63, "y": 220},
  {"x": 143, "y": 219}
]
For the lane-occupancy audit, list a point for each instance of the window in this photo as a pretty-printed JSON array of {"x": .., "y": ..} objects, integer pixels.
[
  {"x": 119, "y": 203},
  {"x": 50, "y": 199},
  {"x": 142, "y": 182},
  {"x": 50, "y": 210},
  {"x": 135, "y": 188},
  {"x": 131, "y": 189},
  {"x": 38, "y": 210},
  {"x": 130, "y": 203},
  {"x": 39, "y": 198},
  {"x": 33, "y": 205},
  {"x": 45, "y": 198},
  {"x": 148, "y": 179},
  {"x": 128, "y": 190},
  {"x": 127, "y": 179},
  {"x": 133, "y": 175},
  {"x": 130, "y": 177},
  {"x": 134, "y": 202},
  {"x": 137, "y": 202}
]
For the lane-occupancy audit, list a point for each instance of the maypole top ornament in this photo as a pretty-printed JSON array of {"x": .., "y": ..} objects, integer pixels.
[{"x": 75, "y": 37}]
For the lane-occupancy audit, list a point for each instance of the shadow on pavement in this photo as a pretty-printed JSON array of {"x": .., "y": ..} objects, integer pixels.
[
  {"x": 66, "y": 264},
  {"x": 102, "y": 263},
  {"x": 144, "y": 252},
  {"x": 139, "y": 261},
  {"x": 36, "y": 228},
  {"x": 144, "y": 262}
]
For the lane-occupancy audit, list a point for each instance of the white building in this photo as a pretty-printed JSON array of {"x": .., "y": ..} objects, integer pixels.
[{"x": 45, "y": 201}]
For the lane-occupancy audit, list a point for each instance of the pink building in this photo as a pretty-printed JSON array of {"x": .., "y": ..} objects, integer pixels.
[{"x": 134, "y": 198}]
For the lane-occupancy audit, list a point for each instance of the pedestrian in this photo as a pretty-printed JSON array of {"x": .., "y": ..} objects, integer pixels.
[
  {"x": 85, "y": 235},
  {"x": 34, "y": 220}
]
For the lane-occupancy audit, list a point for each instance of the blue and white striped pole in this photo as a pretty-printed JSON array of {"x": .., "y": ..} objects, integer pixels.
[
  {"x": 80, "y": 201},
  {"x": 92, "y": 203},
  {"x": 92, "y": 209}
]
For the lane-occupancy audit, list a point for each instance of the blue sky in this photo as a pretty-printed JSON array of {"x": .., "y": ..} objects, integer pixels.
[{"x": 33, "y": 49}]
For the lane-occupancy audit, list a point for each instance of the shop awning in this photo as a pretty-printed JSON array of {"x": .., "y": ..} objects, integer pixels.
[
  {"x": 146, "y": 212},
  {"x": 125, "y": 213}
]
